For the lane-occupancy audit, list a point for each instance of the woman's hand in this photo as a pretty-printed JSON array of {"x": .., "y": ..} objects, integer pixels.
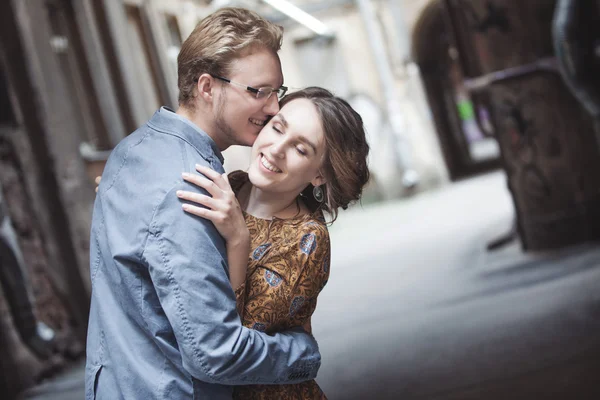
[
  {"x": 222, "y": 209},
  {"x": 97, "y": 180},
  {"x": 225, "y": 213}
]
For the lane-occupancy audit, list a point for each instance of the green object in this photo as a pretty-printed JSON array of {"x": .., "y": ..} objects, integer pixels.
[{"x": 465, "y": 110}]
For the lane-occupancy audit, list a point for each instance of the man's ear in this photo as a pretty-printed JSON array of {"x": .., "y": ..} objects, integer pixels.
[{"x": 205, "y": 87}]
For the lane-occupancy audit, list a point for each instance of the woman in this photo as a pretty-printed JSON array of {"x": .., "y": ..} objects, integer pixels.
[{"x": 309, "y": 159}]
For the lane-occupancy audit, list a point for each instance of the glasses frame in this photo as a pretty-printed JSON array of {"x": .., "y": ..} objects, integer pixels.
[{"x": 281, "y": 91}]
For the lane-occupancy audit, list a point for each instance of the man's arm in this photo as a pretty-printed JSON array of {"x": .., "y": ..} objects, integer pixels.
[{"x": 184, "y": 254}]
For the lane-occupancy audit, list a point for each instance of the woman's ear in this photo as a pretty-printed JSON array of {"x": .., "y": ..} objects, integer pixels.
[
  {"x": 205, "y": 87},
  {"x": 318, "y": 180}
]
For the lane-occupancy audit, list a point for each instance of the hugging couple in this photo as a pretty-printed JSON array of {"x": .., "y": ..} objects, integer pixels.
[{"x": 203, "y": 283}]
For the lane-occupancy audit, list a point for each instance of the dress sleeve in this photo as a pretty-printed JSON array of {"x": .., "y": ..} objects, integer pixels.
[
  {"x": 240, "y": 300},
  {"x": 313, "y": 257}
]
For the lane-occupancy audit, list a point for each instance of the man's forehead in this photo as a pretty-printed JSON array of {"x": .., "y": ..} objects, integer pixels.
[{"x": 261, "y": 68}]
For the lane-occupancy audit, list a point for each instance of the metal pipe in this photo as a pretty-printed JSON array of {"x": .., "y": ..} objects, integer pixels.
[
  {"x": 410, "y": 177},
  {"x": 402, "y": 33},
  {"x": 484, "y": 81}
]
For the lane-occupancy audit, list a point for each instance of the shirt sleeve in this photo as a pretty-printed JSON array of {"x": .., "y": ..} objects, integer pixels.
[
  {"x": 186, "y": 261},
  {"x": 315, "y": 252}
]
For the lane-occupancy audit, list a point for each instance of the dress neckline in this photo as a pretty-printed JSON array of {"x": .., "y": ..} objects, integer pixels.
[{"x": 237, "y": 180}]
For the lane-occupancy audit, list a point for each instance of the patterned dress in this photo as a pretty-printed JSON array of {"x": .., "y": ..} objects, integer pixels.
[{"x": 287, "y": 268}]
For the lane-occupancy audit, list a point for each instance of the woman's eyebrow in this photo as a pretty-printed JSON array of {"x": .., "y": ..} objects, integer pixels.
[
  {"x": 308, "y": 142},
  {"x": 301, "y": 138},
  {"x": 281, "y": 119}
]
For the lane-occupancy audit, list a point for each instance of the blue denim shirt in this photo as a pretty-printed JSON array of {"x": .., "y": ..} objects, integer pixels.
[{"x": 163, "y": 321}]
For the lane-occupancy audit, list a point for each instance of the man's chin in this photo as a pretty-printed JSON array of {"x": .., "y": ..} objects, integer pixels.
[{"x": 248, "y": 140}]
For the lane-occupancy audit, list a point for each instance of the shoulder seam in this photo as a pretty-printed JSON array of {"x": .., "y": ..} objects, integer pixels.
[{"x": 204, "y": 154}]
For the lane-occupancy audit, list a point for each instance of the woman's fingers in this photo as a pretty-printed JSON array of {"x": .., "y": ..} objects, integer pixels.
[
  {"x": 98, "y": 179},
  {"x": 200, "y": 212},
  {"x": 204, "y": 183},
  {"x": 226, "y": 180},
  {"x": 208, "y": 172},
  {"x": 198, "y": 198},
  {"x": 213, "y": 175}
]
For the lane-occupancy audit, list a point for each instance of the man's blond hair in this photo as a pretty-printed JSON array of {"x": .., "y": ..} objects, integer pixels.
[{"x": 217, "y": 40}]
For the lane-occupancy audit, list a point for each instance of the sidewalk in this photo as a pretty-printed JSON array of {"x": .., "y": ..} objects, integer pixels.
[
  {"x": 417, "y": 308},
  {"x": 67, "y": 385}
]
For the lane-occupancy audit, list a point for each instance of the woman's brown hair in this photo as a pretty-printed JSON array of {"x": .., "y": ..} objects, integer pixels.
[{"x": 346, "y": 149}]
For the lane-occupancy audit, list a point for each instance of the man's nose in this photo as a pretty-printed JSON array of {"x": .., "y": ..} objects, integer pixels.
[{"x": 272, "y": 105}]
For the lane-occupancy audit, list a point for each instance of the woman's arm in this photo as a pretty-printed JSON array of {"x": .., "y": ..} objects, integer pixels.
[
  {"x": 225, "y": 213},
  {"x": 237, "y": 258}
]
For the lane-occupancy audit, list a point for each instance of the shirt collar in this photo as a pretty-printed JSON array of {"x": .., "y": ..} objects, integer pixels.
[{"x": 167, "y": 121}]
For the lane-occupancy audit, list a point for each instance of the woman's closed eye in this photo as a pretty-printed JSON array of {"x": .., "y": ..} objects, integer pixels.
[{"x": 301, "y": 151}]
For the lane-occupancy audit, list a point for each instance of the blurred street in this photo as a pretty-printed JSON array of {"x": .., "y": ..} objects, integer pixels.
[{"x": 416, "y": 308}]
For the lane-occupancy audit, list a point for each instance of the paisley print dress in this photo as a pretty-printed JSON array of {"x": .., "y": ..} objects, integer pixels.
[{"x": 287, "y": 268}]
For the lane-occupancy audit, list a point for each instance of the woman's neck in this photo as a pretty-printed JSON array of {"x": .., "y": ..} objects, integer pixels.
[{"x": 267, "y": 205}]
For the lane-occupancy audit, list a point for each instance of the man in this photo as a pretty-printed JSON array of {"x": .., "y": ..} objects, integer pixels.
[{"x": 163, "y": 321}]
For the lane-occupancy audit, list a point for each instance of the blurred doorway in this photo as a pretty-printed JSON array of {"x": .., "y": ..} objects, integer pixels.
[{"x": 462, "y": 120}]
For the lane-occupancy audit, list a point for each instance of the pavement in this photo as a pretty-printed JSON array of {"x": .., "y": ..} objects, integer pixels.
[
  {"x": 416, "y": 308},
  {"x": 67, "y": 385}
]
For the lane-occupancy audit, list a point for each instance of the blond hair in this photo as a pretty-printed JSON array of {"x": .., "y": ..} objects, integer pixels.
[{"x": 217, "y": 40}]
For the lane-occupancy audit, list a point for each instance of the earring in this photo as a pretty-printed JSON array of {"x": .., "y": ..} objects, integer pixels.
[{"x": 318, "y": 193}]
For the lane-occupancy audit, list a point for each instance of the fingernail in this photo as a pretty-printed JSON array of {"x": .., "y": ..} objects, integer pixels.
[
  {"x": 186, "y": 174},
  {"x": 185, "y": 206},
  {"x": 198, "y": 166},
  {"x": 179, "y": 193}
]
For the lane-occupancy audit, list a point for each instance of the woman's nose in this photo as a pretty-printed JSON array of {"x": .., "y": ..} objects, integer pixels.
[{"x": 276, "y": 149}]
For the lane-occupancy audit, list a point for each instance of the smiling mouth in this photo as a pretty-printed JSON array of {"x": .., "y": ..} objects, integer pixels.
[
  {"x": 265, "y": 163},
  {"x": 258, "y": 122}
]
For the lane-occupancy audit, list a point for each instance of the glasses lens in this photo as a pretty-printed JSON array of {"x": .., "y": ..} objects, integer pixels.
[{"x": 264, "y": 93}]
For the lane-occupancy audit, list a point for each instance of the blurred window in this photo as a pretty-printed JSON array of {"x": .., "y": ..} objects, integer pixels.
[
  {"x": 175, "y": 41},
  {"x": 66, "y": 44}
]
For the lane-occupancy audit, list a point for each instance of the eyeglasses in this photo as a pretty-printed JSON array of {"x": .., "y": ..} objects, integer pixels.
[{"x": 262, "y": 93}]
